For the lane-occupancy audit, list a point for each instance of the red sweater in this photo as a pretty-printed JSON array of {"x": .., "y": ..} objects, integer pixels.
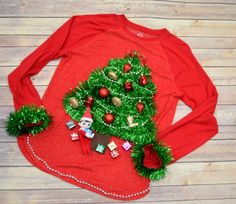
[{"x": 85, "y": 42}]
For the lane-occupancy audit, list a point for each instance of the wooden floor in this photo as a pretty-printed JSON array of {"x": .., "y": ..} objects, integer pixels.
[{"x": 207, "y": 175}]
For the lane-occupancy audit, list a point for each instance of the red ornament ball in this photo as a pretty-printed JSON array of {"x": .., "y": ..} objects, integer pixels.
[
  {"x": 143, "y": 80},
  {"x": 128, "y": 86},
  {"x": 103, "y": 92},
  {"x": 127, "y": 67},
  {"x": 140, "y": 107},
  {"x": 89, "y": 101},
  {"x": 109, "y": 118},
  {"x": 142, "y": 59}
]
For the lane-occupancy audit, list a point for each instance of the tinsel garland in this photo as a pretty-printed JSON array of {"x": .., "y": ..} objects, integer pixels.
[
  {"x": 163, "y": 151},
  {"x": 28, "y": 119},
  {"x": 142, "y": 134}
]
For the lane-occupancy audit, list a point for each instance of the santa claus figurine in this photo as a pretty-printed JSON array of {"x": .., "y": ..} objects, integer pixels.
[{"x": 86, "y": 134}]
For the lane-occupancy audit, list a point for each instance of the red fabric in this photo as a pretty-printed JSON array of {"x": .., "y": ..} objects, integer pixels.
[
  {"x": 87, "y": 114},
  {"x": 85, "y": 42},
  {"x": 85, "y": 142},
  {"x": 151, "y": 158}
]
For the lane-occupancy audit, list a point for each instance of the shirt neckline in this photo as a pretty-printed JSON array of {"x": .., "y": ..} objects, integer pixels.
[{"x": 125, "y": 23}]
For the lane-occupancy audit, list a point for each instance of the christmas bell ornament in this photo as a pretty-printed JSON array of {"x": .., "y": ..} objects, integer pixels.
[
  {"x": 104, "y": 92},
  {"x": 140, "y": 107},
  {"x": 116, "y": 101},
  {"x": 89, "y": 101},
  {"x": 128, "y": 86},
  {"x": 127, "y": 67},
  {"x": 143, "y": 80},
  {"x": 113, "y": 76},
  {"x": 74, "y": 102},
  {"x": 109, "y": 118}
]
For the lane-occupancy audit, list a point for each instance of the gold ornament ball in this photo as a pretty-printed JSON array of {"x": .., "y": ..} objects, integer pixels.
[
  {"x": 74, "y": 102},
  {"x": 112, "y": 75},
  {"x": 116, "y": 101}
]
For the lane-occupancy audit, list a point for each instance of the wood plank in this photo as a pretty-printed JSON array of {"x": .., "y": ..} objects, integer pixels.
[
  {"x": 210, "y": 42},
  {"x": 225, "y": 114},
  {"x": 179, "y": 174},
  {"x": 225, "y": 133},
  {"x": 195, "y": 42},
  {"x": 166, "y": 9},
  {"x": 213, "y": 150},
  {"x": 199, "y": 173},
  {"x": 208, "y": 201},
  {"x": 207, "y": 175},
  {"x": 46, "y": 26},
  {"x": 12, "y": 56},
  {"x": 4, "y": 137},
  {"x": 205, "y": 2},
  {"x": 227, "y": 95},
  {"x": 215, "y": 57},
  {"x": 222, "y": 76},
  {"x": 191, "y": 194}
]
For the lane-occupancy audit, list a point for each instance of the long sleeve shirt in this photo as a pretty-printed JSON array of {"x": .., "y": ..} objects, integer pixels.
[{"x": 85, "y": 42}]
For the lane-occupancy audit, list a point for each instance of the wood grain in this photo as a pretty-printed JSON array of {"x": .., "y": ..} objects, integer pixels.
[
  {"x": 166, "y": 9},
  {"x": 24, "y": 40},
  {"x": 225, "y": 114},
  {"x": 206, "y": 175},
  {"x": 221, "y": 76},
  {"x": 196, "y": 27},
  {"x": 213, "y": 150},
  {"x": 164, "y": 194},
  {"x": 12, "y": 56},
  {"x": 197, "y": 173}
]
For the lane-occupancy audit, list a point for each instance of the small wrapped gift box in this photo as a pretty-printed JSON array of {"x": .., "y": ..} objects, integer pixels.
[
  {"x": 112, "y": 145},
  {"x": 126, "y": 145},
  {"x": 100, "y": 148},
  {"x": 99, "y": 142},
  {"x": 74, "y": 136},
  {"x": 114, "y": 153},
  {"x": 70, "y": 124}
]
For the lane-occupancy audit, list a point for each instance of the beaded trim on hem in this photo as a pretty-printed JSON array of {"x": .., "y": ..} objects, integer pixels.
[{"x": 80, "y": 181}]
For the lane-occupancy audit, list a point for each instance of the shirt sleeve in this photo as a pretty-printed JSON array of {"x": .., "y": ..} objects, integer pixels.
[
  {"x": 75, "y": 31},
  {"x": 197, "y": 91},
  {"x": 19, "y": 79}
]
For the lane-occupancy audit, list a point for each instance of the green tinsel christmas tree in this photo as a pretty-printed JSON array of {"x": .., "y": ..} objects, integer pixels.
[{"x": 122, "y": 105}]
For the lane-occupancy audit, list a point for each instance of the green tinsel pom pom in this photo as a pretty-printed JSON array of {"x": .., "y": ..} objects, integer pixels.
[
  {"x": 28, "y": 119},
  {"x": 164, "y": 152}
]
